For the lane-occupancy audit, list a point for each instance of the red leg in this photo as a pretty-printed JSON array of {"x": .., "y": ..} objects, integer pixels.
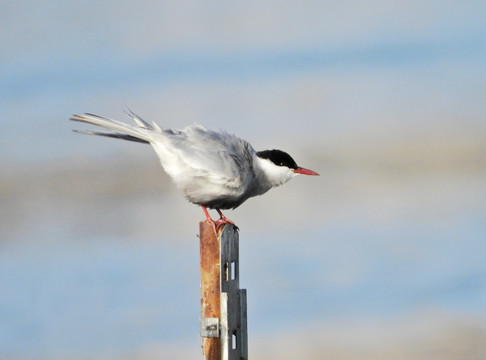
[
  {"x": 224, "y": 219},
  {"x": 218, "y": 223},
  {"x": 208, "y": 218}
]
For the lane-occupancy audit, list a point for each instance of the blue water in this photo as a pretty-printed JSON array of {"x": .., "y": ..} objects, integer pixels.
[
  {"x": 113, "y": 295},
  {"x": 98, "y": 297},
  {"x": 71, "y": 285}
]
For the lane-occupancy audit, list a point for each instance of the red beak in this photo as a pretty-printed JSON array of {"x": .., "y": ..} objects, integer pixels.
[{"x": 304, "y": 171}]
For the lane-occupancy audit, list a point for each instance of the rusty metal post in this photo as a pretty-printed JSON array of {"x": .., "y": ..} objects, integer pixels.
[
  {"x": 223, "y": 304},
  {"x": 210, "y": 291}
]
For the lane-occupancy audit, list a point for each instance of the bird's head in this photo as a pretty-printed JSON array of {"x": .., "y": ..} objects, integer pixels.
[{"x": 279, "y": 167}]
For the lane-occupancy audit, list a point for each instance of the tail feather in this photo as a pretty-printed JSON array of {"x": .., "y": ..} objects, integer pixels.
[
  {"x": 112, "y": 135},
  {"x": 118, "y": 129},
  {"x": 142, "y": 123}
]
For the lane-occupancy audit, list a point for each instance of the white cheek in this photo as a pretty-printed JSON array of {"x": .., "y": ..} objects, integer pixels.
[
  {"x": 284, "y": 175},
  {"x": 276, "y": 175}
]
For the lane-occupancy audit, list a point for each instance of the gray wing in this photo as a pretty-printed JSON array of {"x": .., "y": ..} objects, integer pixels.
[{"x": 223, "y": 157}]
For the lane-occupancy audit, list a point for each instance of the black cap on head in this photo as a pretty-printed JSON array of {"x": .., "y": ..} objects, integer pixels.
[{"x": 278, "y": 157}]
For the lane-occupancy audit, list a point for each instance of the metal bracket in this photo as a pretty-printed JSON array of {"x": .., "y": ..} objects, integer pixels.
[{"x": 209, "y": 327}]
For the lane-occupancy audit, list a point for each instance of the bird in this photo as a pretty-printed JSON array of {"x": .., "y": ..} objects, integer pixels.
[{"x": 214, "y": 169}]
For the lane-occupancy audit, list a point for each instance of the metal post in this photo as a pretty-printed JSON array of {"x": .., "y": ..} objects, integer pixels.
[
  {"x": 210, "y": 292},
  {"x": 223, "y": 305}
]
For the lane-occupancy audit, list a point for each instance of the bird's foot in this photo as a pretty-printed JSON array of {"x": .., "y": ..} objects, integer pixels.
[{"x": 223, "y": 220}]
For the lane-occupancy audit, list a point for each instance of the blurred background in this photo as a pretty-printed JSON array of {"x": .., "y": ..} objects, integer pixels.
[{"x": 381, "y": 257}]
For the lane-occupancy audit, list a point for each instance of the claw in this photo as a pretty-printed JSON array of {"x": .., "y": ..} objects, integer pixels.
[{"x": 223, "y": 220}]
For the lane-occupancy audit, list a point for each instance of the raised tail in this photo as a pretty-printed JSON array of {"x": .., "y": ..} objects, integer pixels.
[{"x": 141, "y": 132}]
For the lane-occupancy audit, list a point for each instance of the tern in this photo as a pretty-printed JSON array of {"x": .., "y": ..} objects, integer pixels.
[{"x": 214, "y": 169}]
